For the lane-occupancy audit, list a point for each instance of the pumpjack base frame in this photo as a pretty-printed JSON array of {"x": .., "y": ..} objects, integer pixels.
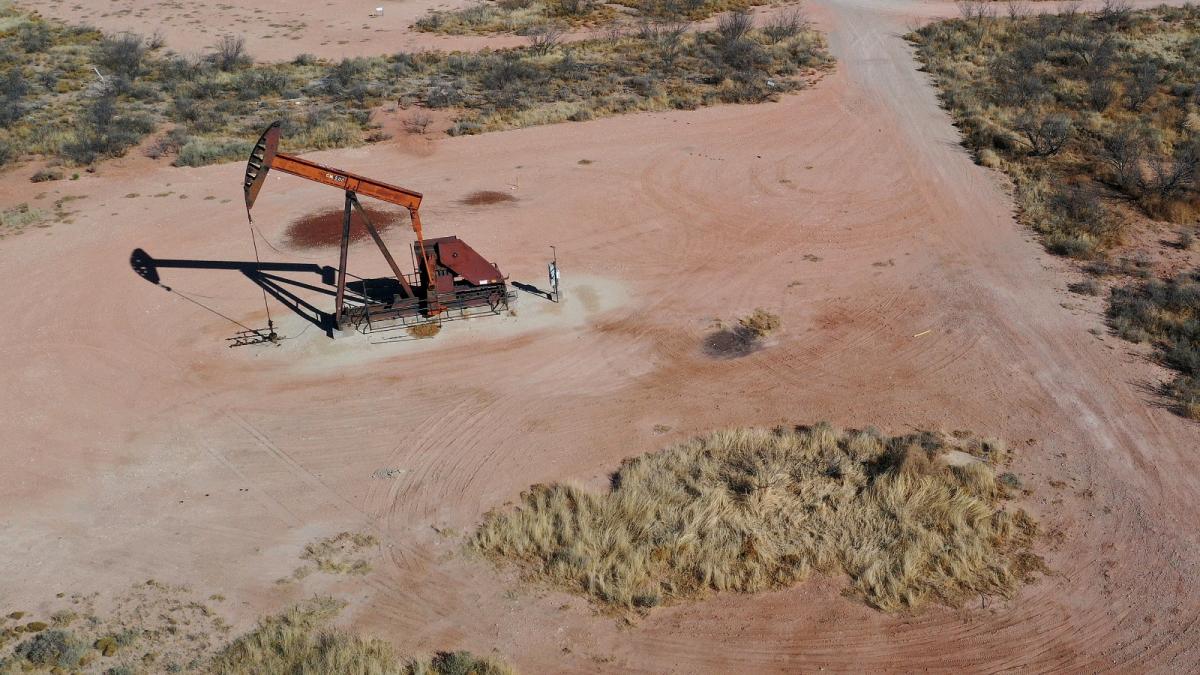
[{"x": 407, "y": 313}]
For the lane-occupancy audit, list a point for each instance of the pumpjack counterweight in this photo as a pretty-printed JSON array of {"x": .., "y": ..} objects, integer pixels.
[{"x": 450, "y": 279}]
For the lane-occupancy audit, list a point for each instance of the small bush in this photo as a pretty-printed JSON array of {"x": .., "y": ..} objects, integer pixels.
[
  {"x": 8, "y": 151},
  {"x": 18, "y": 217},
  {"x": 34, "y": 37},
  {"x": 542, "y": 39},
  {"x": 12, "y": 90},
  {"x": 1085, "y": 287},
  {"x": 733, "y": 28},
  {"x": 121, "y": 55},
  {"x": 105, "y": 131},
  {"x": 201, "y": 151},
  {"x": 45, "y": 175},
  {"x": 53, "y": 649},
  {"x": 417, "y": 122},
  {"x": 785, "y": 24},
  {"x": 229, "y": 53}
]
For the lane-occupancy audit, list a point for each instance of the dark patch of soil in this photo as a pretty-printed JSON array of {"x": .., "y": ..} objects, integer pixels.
[
  {"x": 731, "y": 343},
  {"x": 323, "y": 229},
  {"x": 483, "y": 197}
]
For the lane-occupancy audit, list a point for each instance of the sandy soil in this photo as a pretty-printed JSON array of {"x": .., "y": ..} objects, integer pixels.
[
  {"x": 137, "y": 445},
  {"x": 275, "y": 30}
]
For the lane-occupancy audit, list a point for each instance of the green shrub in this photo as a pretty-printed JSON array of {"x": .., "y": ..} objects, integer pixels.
[
  {"x": 8, "y": 151},
  {"x": 12, "y": 90},
  {"x": 202, "y": 151},
  {"x": 121, "y": 55},
  {"x": 52, "y": 649},
  {"x": 105, "y": 131}
]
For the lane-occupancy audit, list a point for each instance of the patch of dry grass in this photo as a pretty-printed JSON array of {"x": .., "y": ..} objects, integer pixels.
[
  {"x": 911, "y": 520},
  {"x": 742, "y": 339},
  {"x": 760, "y": 323},
  {"x": 151, "y": 627},
  {"x": 300, "y": 641},
  {"x": 425, "y": 330},
  {"x": 341, "y": 554},
  {"x": 157, "y": 628}
]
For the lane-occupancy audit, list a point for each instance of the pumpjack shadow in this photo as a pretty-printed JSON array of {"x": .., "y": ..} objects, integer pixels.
[{"x": 262, "y": 274}]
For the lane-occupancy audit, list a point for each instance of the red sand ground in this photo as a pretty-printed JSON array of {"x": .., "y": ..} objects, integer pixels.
[{"x": 137, "y": 445}]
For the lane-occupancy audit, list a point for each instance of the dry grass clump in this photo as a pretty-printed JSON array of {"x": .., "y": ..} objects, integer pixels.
[
  {"x": 301, "y": 642},
  {"x": 760, "y": 323},
  {"x": 341, "y": 554},
  {"x": 743, "y": 339},
  {"x": 15, "y": 219},
  {"x": 425, "y": 330},
  {"x": 911, "y": 520}
]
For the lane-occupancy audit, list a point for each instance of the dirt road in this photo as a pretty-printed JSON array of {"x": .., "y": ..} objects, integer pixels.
[{"x": 138, "y": 445}]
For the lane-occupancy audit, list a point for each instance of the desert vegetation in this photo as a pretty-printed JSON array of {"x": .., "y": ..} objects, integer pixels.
[
  {"x": 341, "y": 554},
  {"x": 1096, "y": 118},
  {"x": 528, "y": 17},
  {"x": 157, "y": 628},
  {"x": 1093, "y": 115},
  {"x": 77, "y": 96},
  {"x": 1165, "y": 313},
  {"x": 910, "y": 520},
  {"x": 301, "y": 640},
  {"x": 149, "y": 627},
  {"x": 745, "y": 336}
]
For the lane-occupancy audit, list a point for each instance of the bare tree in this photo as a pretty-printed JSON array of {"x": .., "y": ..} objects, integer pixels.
[
  {"x": 230, "y": 52},
  {"x": 615, "y": 32},
  {"x": 1044, "y": 135},
  {"x": 1142, "y": 85},
  {"x": 734, "y": 27},
  {"x": 417, "y": 122},
  {"x": 1115, "y": 12},
  {"x": 785, "y": 24},
  {"x": 1141, "y": 170},
  {"x": 543, "y": 39},
  {"x": 1018, "y": 10},
  {"x": 976, "y": 11}
]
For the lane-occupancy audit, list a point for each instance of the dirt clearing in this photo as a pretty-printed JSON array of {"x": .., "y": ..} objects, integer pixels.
[{"x": 137, "y": 445}]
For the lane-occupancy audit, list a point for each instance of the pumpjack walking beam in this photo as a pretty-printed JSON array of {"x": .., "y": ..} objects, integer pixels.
[{"x": 266, "y": 156}]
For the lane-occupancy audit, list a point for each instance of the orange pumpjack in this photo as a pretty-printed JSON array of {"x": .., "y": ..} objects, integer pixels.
[{"x": 451, "y": 279}]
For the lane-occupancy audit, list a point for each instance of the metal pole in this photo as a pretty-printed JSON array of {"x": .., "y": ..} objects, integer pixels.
[
  {"x": 341, "y": 280},
  {"x": 554, "y": 253}
]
